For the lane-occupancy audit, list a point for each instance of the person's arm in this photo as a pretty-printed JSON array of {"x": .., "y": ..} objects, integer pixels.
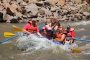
[
  {"x": 63, "y": 37},
  {"x": 44, "y": 30},
  {"x": 25, "y": 29},
  {"x": 38, "y": 33}
]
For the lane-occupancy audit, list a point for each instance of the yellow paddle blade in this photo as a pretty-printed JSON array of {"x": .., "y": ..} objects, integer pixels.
[
  {"x": 8, "y": 34},
  {"x": 76, "y": 50},
  {"x": 17, "y": 29}
]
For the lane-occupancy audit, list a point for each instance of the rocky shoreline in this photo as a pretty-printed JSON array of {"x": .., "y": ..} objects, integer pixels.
[{"x": 14, "y": 11}]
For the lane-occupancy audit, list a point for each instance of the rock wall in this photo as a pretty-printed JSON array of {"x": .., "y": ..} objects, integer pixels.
[{"x": 60, "y": 9}]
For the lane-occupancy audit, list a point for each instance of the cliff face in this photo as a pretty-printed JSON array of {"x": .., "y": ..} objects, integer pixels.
[{"x": 46, "y": 8}]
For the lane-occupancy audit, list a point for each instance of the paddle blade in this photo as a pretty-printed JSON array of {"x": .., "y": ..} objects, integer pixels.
[
  {"x": 17, "y": 29},
  {"x": 8, "y": 34},
  {"x": 76, "y": 50}
]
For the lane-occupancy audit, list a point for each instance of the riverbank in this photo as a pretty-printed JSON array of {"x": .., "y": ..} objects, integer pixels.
[{"x": 43, "y": 10}]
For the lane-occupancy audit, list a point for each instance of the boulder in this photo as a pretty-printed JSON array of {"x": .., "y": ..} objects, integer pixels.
[{"x": 33, "y": 8}]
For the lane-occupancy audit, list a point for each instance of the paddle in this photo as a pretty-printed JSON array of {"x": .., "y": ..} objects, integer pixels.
[
  {"x": 76, "y": 50},
  {"x": 2, "y": 41},
  {"x": 8, "y": 34},
  {"x": 78, "y": 39},
  {"x": 0, "y": 34},
  {"x": 16, "y": 29}
]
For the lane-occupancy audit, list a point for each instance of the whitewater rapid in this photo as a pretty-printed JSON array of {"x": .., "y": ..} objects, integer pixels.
[{"x": 33, "y": 42}]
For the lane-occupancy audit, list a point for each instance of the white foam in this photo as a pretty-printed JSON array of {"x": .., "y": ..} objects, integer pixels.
[
  {"x": 34, "y": 43},
  {"x": 81, "y": 29},
  {"x": 80, "y": 23},
  {"x": 83, "y": 37}
]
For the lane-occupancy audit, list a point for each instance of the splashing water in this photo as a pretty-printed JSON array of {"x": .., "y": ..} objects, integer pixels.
[
  {"x": 81, "y": 29},
  {"x": 83, "y": 37},
  {"x": 33, "y": 42},
  {"x": 80, "y": 23}
]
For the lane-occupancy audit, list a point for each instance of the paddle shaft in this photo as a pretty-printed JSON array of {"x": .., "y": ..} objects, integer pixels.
[
  {"x": 8, "y": 39},
  {"x": 1, "y": 34},
  {"x": 77, "y": 39}
]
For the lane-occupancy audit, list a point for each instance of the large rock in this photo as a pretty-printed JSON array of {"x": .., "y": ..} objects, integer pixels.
[
  {"x": 58, "y": 2},
  {"x": 32, "y": 7},
  {"x": 61, "y": 2}
]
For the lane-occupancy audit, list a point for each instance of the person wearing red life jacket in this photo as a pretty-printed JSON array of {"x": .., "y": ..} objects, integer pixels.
[
  {"x": 31, "y": 27},
  {"x": 27, "y": 27},
  {"x": 70, "y": 34}
]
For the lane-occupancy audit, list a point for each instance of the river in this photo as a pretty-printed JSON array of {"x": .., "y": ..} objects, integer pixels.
[{"x": 11, "y": 52}]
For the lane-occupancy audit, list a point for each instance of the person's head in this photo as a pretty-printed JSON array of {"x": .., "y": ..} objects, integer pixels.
[
  {"x": 37, "y": 21},
  {"x": 71, "y": 29},
  {"x": 34, "y": 23},
  {"x": 58, "y": 24},
  {"x": 61, "y": 30},
  {"x": 68, "y": 28},
  {"x": 52, "y": 24},
  {"x": 30, "y": 22}
]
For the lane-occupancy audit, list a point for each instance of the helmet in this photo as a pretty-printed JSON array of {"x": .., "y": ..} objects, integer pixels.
[
  {"x": 68, "y": 27},
  {"x": 71, "y": 29}
]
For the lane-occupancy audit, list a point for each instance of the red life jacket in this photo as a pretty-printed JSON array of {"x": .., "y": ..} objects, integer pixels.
[
  {"x": 33, "y": 29},
  {"x": 71, "y": 34}
]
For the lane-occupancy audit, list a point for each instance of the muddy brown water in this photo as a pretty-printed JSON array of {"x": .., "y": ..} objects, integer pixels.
[{"x": 11, "y": 52}]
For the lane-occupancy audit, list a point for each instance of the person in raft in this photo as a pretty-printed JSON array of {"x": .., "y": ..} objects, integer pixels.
[
  {"x": 60, "y": 35},
  {"x": 31, "y": 27},
  {"x": 70, "y": 35},
  {"x": 48, "y": 30}
]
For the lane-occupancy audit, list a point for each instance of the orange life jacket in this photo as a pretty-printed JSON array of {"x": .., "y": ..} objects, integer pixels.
[{"x": 59, "y": 36}]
